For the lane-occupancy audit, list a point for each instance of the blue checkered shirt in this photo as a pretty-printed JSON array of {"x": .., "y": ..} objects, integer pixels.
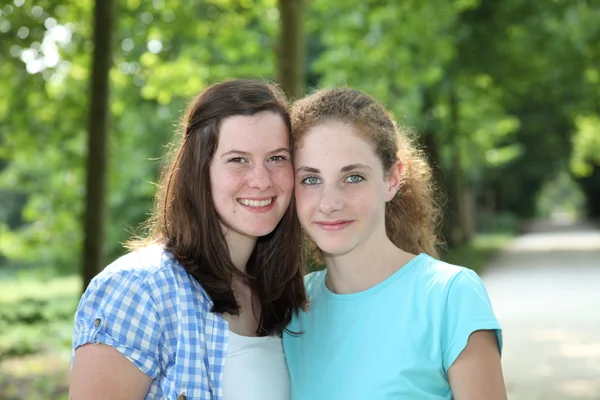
[{"x": 146, "y": 306}]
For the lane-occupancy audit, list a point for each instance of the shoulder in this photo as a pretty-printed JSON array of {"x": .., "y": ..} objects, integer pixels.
[
  {"x": 312, "y": 284},
  {"x": 151, "y": 271},
  {"x": 442, "y": 276},
  {"x": 148, "y": 264},
  {"x": 459, "y": 293},
  {"x": 146, "y": 287},
  {"x": 314, "y": 280},
  {"x": 442, "y": 284}
]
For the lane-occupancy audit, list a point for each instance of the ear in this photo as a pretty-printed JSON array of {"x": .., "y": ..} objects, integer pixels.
[{"x": 393, "y": 179}]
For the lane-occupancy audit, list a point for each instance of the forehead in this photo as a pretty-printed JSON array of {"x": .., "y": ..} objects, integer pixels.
[
  {"x": 335, "y": 141},
  {"x": 260, "y": 131}
]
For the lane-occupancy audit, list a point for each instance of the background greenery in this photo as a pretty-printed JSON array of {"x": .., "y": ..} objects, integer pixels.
[{"x": 504, "y": 97}]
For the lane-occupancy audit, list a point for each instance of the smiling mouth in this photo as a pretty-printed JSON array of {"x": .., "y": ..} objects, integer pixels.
[{"x": 256, "y": 203}]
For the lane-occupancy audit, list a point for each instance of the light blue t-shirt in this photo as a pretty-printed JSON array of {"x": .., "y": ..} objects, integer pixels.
[{"x": 395, "y": 340}]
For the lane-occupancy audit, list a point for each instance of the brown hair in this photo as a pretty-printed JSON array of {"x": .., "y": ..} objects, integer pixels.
[
  {"x": 186, "y": 223},
  {"x": 412, "y": 215}
]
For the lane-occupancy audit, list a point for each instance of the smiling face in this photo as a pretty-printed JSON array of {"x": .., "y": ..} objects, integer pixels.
[
  {"x": 251, "y": 174},
  {"x": 341, "y": 188}
]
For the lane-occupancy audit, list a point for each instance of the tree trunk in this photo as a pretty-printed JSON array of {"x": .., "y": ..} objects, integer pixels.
[
  {"x": 98, "y": 129},
  {"x": 461, "y": 234},
  {"x": 292, "y": 50}
]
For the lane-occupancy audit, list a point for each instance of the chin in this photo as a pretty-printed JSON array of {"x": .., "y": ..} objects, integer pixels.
[
  {"x": 334, "y": 249},
  {"x": 336, "y": 253},
  {"x": 258, "y": 231}
]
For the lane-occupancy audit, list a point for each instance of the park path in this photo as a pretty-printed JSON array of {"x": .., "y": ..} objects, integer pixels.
[{"x": 545, "y": 289}]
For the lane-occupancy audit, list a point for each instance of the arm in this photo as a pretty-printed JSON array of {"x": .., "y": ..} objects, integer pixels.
[
  {"x": 102, "y": 373},
  {"x": 117, "y": 347},
  {"x": 476, "y": 374}
]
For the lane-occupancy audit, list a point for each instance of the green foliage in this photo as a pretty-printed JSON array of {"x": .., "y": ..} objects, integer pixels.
[
  {"x": 385, "y": 48},
  {"x": 561, "y": 196},
  {"x": 36, "y": 325},
  {"x": 504, "y": 223},
  {"x": 165, "y": 51},
  {"x": 36, "y": 316},
  {"x": 586, "y": 145},
  {"x": 524, "y": 101},
  {"x": 542, "y": 86}
]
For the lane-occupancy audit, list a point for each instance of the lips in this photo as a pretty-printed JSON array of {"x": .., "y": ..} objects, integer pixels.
[{"x": 334, "y": 225}]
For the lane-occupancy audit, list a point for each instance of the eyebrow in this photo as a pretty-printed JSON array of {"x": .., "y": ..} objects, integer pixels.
[
  {"x": 350, "y": 167},
  {"x": 347, "y": 168},
  {"x": 245, "y": 153}
]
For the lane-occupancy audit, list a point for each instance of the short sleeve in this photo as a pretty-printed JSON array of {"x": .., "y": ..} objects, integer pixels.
[
  {"x": 468, "y": 309},
  {"x": 313, "y": 281},
  {"x": 118, "y": 310}
]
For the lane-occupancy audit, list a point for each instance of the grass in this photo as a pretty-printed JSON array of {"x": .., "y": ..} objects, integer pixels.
[
  {"x": 12, "y": 290},
  {"x": 36, "y": 323},
  {"x": 42, "y": 376}
]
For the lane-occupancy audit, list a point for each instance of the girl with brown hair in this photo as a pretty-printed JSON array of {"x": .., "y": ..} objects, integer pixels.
[
  {"x": 196, "y": 310},
  {"x": 386, "y": 319}
]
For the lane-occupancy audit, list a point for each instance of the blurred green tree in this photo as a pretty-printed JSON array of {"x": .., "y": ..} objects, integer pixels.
[
  {"x": 501, "y": 94},
  {"x": 98, "y": 136},
  {"x": 291, "y": 51},
  {"x": 166, "y": 51}
]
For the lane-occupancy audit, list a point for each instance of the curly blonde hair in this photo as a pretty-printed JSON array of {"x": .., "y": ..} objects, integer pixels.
[{"x": 412, "y": 216}]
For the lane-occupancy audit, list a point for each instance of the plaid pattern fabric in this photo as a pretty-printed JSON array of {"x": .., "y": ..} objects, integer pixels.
[{"x": 147, "y": 307}]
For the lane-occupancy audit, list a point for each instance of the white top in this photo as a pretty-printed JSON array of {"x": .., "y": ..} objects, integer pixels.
[{"x": 255, "y": 369}]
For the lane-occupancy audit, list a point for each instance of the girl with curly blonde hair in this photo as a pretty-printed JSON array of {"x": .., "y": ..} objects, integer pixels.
[{"x": 386, "y": 320}]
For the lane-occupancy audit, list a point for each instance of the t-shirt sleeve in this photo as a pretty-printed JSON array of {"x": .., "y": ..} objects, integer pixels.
[
  {"x": 468, "y": 309},
  {"x": 313, "y": 280},
  {"x": 118, "y": 310}
]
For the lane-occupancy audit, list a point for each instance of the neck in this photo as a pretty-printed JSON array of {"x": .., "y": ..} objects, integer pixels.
[
  {"x": 364, "y": 266},
  {"x": 240, "y": 248},
  {"x": 246, "y": 322}
]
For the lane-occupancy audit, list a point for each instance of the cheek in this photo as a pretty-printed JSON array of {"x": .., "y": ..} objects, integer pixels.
[
  {"x": 362, "y": 200},
  {"x": 369, "y": 203},
  {"x": 307, "y": 200},
  {"x": 224, "y": 183},
  {"x": 363, "y": 207}
]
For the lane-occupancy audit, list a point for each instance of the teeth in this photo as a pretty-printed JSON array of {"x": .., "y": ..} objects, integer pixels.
[{"x": 255, "y": 203}]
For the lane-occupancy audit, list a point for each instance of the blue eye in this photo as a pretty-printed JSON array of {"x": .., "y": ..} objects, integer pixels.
[
  {"x": 310, "y": 180},
  {"x": 354, "y": 179}
]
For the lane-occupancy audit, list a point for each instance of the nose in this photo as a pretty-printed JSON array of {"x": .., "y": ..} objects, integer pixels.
[
  {"x": 260, "y": 178},
  {"x": 331, "y": 201}
]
